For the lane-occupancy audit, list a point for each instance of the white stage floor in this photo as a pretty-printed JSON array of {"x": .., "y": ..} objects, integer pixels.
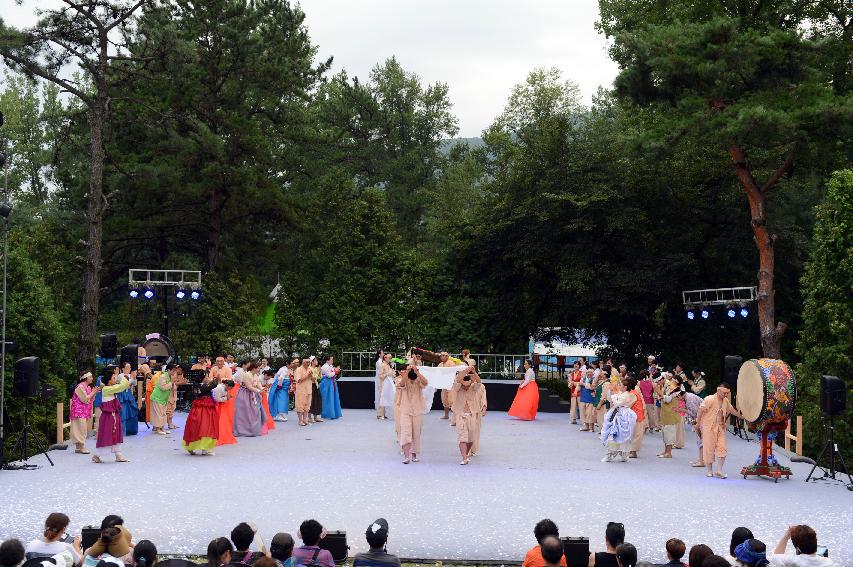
[{"x": 348, "y": 472}]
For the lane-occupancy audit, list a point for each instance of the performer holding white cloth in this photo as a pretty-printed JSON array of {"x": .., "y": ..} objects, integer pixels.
[{"x": 384, "y": 388}]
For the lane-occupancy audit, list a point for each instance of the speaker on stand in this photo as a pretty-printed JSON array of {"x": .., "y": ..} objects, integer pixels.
[
  {"x": 833, "y": 401},
  {"x": 26, "y": 385},
  {"x": 731, "y": 368}
]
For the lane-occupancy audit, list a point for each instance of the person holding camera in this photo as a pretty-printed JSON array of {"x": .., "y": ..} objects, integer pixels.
[
  {"x": 54, "y": 540},
  {"x": 411, "y": 384},
  {"x": 468, "y": 407}
]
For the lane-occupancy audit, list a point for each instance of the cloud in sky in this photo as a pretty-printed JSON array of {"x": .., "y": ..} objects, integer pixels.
[{"x": 479, "y": 48}]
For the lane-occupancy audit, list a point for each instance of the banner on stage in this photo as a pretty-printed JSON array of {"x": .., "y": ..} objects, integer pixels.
[{"x": 439, "y": 377}]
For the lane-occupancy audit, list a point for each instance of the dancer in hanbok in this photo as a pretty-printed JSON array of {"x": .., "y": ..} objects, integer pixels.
[
  {"x": 279, "y": 394},
  {"x": 265, "y": 381},
  {"x": 329, "y": 390},
  {"x": 249, "y": 418},
  {"x": 201, "y": 430},
  {"x": 110, "y": 435},
  {"x": 224, "y": 396},
  {"x": 619, "y": 423},
  {"x": 81, "y": 412},
  {"x": 411, "y": 385},
  {"x": 468, "y": 407},
  {"x": 161, "y": 394},
  {"x": 385, "y": 388},
  {"x": 526, "y": 402},
  {"x": 303, "y": 378},
  {"x": 129, "y": 409},
  {"x": 316, "y": 412}
]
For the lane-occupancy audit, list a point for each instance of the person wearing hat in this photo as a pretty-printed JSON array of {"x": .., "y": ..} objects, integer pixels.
[{"x": 378, "y": 556}]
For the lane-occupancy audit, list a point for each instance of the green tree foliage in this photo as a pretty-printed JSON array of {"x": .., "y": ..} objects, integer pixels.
[
  {"x": 749, "y": 78},
  {"x": 35, "y": 326},
  {"x": 826, "y": 342}
]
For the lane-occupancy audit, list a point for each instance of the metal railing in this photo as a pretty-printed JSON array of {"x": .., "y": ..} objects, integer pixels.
[{"x": 493, "y": 366}]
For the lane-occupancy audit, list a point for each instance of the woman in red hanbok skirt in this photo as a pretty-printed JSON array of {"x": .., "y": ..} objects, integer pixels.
[
  {"x": 526, "y": 402},
  {"x": 201, "y": 430}
]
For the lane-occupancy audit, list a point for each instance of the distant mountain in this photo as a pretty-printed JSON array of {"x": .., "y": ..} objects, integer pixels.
[{"x": 471, "y": 142}]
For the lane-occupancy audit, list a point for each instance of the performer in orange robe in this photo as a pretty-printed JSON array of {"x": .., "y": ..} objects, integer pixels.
[
  {"x": 225, "y": 410},
  {"x": 526, "y": 402}
]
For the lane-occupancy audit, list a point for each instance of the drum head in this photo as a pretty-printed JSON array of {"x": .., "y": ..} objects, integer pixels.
[
  {"x": 750, "y": 391},
  {"x": 160, "y": 348}
]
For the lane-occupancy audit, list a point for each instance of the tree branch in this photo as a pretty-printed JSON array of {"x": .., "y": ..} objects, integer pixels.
[
  {"x": 88, "y": 13},
  {"x": 783, "y": 169},
  {"x": 39, "y": 71},
  {"x": 126, "y": 15}
]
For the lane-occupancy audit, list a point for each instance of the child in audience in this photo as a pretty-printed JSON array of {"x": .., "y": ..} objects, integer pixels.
[{"x": 675, "y": 549}]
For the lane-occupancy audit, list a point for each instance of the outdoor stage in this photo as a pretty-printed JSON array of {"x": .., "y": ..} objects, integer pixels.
[{"x": 348, "y": 472}]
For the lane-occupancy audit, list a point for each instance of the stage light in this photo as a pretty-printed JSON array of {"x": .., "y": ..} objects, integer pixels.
[
  {"x": 731, "y": 313},
  {"x": 180, "y": 294},
  {"x": 691, "y": 315},
  {"x": 705, "y": 314},
  {"x": 195, "y": 295},
  {"x": 744, "y": 312},
  {"x": 148, "y": 293},
  {"x": 134, "y": 293}
]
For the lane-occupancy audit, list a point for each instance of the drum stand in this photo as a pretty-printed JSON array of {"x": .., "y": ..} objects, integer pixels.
[
  {"x": 766, "y": 463},
  {"x": 739, "y": 430},
  {"x": 832, "y": 447}
]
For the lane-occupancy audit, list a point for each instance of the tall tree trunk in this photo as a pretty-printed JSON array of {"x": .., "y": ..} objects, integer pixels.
[
  {"x": 771, "y": 332},
  {"x": 214, "y": 228},
  {"x": 86, "y": 347}
]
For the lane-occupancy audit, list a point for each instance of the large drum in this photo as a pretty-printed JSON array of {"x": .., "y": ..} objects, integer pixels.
[{"x": 766, "y": 393}]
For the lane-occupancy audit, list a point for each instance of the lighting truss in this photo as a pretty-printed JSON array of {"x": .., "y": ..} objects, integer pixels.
[{"x": 725, "y": 296}]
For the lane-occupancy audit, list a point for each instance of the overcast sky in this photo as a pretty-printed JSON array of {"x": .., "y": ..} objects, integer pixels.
[{"x": 479, "y": 48}]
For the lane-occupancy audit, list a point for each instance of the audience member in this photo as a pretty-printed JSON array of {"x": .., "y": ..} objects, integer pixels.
[
  {"x": 111, "y": 520},
  {"x": 378, "y": 556},
  {"x": 111, "y": 548},
  {"x": 698, "y": 554},
  {"x": 675, "y": 549},
  {"x": 281, "y": 549},
  {"x": 309, "y": 553},
  {"x": 219, "y": 552},
  {"x": 144, "y": 554},
  {"x": 739, "y": 535},
  {"x": 716, "y": 561},
  {"x": 752, "y": 553},
  {"x": 804, "y": 540},
  {"x": 541, "y": 530},
  {"x": 264, "y": 561},
  {"x": 242, "y": 537},
  {"x": 53, "y": 540},
  {"x": 626, "y": 555},
  {"x": 552, "y": 551},
  {"x": 12, "y": 553},
  {"x": 614, "y": 536}
]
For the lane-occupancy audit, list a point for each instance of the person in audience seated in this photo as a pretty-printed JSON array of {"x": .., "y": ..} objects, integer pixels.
[
  {"x": 698, "y": 554},
  {"x": 739, "y": 535},
  {"x": 111, "y": 547},
  {"x": 675, "y": 549},
  {"x": 53, "y": 539},
  {"x": 541, "y": 530},
  {"x": 242, "y": 537},
  {"x": 144, "y": 554},
  {"x": 626, "y": 555},
  {"x": 309, "y": 553},
  {"x": 98, "y": 548},
  {"x": 752, "y": 553},
  {"x": 219, "y": 550},
  {"x": 281, "y": 549},
  {"x": 614, "y": 536},
  {"x": 266, "y": 562},
  {"x": 378, "y": 556},
  {"x": 716, "y": 561},
  {"x": 12, "y": 553},
  {"x": 552, "y": 551},
  {"x": 804, "y": 540}
]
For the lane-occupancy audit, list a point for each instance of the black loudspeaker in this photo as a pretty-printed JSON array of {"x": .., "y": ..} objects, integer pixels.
[
  {"x": 27, "y": 376},
  {"x": 833, "y": 397},
  {"x": 129, "y": 353},
  {"x": 336, "y": 543},
  {"x": 576, "y": 550},
  {"x": 109, "y": 345},
  {"x": 731, "y": 367}
]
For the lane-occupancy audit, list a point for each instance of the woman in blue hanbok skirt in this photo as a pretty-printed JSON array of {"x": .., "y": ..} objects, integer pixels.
[
  {"x": 329, "y": 390},
  {"x": 129, "y": 409},
  {"x": 279, "y": 394}
]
